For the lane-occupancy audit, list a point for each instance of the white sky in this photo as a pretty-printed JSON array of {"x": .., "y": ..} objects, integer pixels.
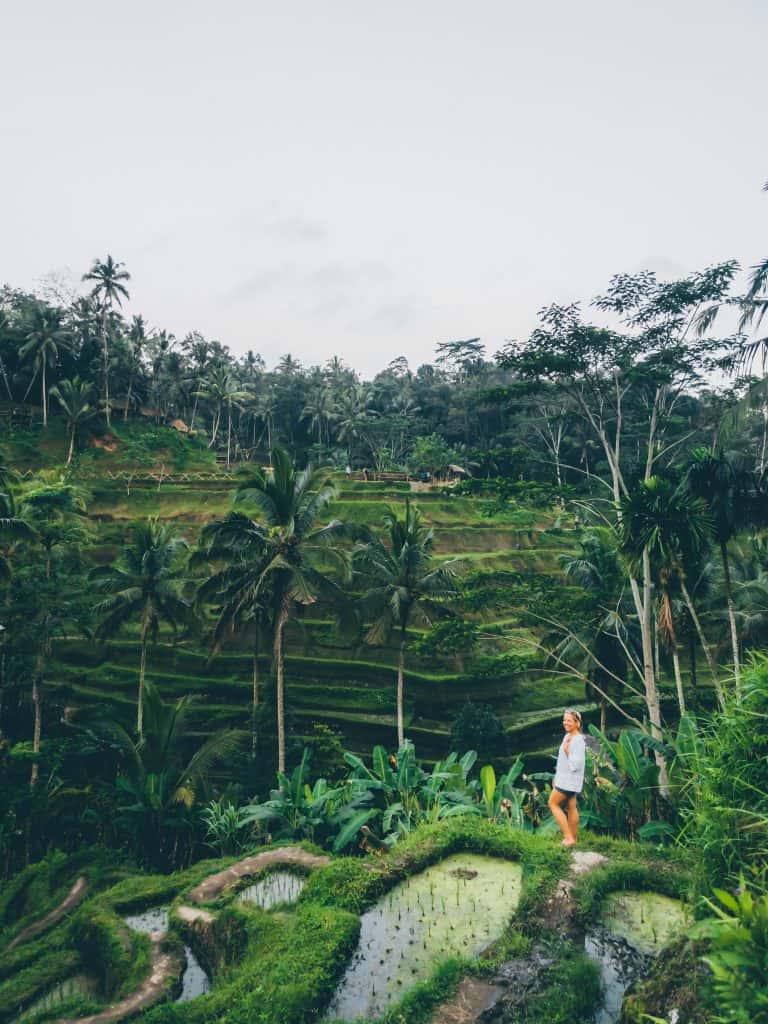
[{"x": 369, "y": 179}]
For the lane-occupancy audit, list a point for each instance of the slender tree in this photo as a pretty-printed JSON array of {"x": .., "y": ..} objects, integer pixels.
[
  {"x": 670, "y": 527},
  {"x": 74, "y": 397},
  {"x": 145, "y": 585},
  {"x": 162, "y": 773},
  {"x": 297, "y": 555},
  {"x": 222, "y": 390},
  {"x": 404, "y": 585},
  {"x": 109, "y": 279},
  {"x": 240, "y": 549},
  {"x": 46, "y": 336},
  {"x": 726, "y": 483}
]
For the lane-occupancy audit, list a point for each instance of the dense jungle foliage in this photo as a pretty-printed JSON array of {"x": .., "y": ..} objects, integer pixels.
[{"x": 237, "y": 602}]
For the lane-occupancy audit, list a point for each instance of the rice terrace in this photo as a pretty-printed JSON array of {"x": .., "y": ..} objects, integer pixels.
[{"x": 383, "y": 531}]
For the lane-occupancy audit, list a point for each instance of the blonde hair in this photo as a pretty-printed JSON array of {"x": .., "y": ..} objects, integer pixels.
[{"x": 574, "y": 714}]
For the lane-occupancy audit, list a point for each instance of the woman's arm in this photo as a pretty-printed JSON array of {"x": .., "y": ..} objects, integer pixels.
[{"x": 576, "y": 754}]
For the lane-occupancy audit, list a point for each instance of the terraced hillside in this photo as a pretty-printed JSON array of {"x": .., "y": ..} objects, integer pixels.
[{"x": 508, "y": 554}]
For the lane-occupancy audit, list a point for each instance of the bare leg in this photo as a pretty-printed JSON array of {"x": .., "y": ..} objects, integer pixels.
[
  {"x": 555, "y": 803},
  {"x": 573, "y": 818}
]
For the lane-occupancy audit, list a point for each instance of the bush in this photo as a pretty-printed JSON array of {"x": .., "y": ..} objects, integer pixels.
[
  {"x": 477, "y": 727},
  {"x": 727, "y": 822}
]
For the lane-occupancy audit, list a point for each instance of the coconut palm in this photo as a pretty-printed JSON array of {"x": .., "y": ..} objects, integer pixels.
[
  {"x": 144, "y": 584},
  {"x": 675, "y": 528},
  {"x": 45, "y": 337},
  {"x": 74, "y": 397},
  {"x": 223, "y": 392},
  {"x": 318, "y": 410},
  {"x": 109, "y": 288},
  {"x": 138, "y": 339},
  {"x": 352, "y": 415},
  {"x": 294, "y": 554},
  {"x": 239, "y": 547},
  {"x": 404, "y": 585},
  {"x": 602, "y": 642},
  {"x": 159, "y": 782},
  {"x": 726, "y": 483}
]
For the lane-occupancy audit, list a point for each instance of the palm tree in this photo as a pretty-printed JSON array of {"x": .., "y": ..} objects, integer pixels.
[
  {"x": 727, "y": 486},
  {"x": 293, "y": 554},
  {"x": 158, "y": 779},
  {"x": 404, "y": 585},
  {"x": 318, "y": 410},
  {"x": 240, "y": 547},
  {"x": 74, "y": 397},
  {"x": 223, "y": 391},
  {"x": 137, "y": 341},
  {"x": 144, "y": 584},
  {"x": 45, "y": 336},
  {"x": 675, "y": 528},
  {"x": 353, "y": 413},
  {"x": 601, "y": 644},
  {"x": 109, "y": 289}
]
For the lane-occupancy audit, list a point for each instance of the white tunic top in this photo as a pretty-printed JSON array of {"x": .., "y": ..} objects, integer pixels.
[{"x": 569, "y": 773}]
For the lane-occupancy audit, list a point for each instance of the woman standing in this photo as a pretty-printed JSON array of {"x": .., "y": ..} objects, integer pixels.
[{"x": 569, "y": 778}]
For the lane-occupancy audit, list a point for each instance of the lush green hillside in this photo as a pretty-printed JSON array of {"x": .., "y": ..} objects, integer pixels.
[{"x": 330, "y": 680}]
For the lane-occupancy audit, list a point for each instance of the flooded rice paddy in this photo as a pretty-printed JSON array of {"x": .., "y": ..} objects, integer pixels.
[
  {"x": 455, "y": 908},
  {"x": 275, "y": 888},
  {"x": 633, "y": 928},
  {"x": 154, "y": 921}
]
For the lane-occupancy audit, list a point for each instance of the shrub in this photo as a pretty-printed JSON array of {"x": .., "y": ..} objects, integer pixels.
[
  {"x": 478, "y": 727},
  {"x": 727, "y": 821}
]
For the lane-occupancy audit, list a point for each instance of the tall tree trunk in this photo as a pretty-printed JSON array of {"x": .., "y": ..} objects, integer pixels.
[
  {"x": 255, "y": 701},
  {"x": 71, "y": 445},
  {"x": 649, "y": 675},
  {"x": 400, "y": 682},
  {"x": 702, "y": 639},
  {"x": 678, "y": 678},
  {"x": 229, "y": 435},
  {"x": 142, "y": 672},
  {"x": 731, "y": 614},
  {"x": 45, "y": 395},
  {"x": 106, "y": 364},
  {"x": 692, "y": 663},
  {"x": 280, "y": 671},
  {"x": 128, "y": 399},
  {"x": 38, "y": 722},
  {"x": 603, "y": 714}
]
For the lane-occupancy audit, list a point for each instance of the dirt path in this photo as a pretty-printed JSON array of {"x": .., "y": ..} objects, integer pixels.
[
  {"x": 165, "y": 968},
  {"x": 215, "y": 884},
  {"x": 71, "y": 900},
  {"x": 479, "y": 1000}
]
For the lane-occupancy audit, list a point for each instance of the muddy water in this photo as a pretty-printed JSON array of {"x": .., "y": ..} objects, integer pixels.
[
  {"x": 634, "y": 927},
  {"x": 154, "y": 921},
  {"x": 455, "y": 908},
  {"x": 277, "y": 887}
]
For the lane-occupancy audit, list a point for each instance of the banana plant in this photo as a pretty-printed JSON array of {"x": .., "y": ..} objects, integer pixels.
[
  {"x": 300, "y": 809},
  {"x": 503, "y": 801},
  {"x": 622, "y": 782}
]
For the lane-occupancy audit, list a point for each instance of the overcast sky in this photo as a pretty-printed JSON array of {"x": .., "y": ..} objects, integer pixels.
[{"x": 369, "y": 179}]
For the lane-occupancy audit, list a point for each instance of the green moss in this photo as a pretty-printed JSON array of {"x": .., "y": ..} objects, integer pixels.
[
  {"x": 117, "y": 956},
  {"x": 664, "y": 877},
  {"x": 26, "y": 984}
]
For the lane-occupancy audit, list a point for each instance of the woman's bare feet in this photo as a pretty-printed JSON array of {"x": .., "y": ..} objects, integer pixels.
[{"x": 569, "y": 842}]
